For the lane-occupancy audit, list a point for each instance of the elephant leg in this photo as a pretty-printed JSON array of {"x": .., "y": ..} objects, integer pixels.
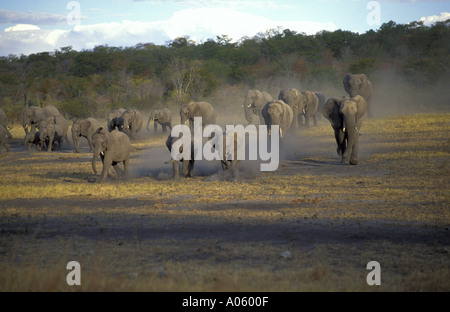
[
  {"x": 126, "y": 165},
  {"x": 185, "y": 168},
  {"x": 119, "y": 172},
  {"x": 164, "y": 128},
  {"x": 307, "y": 120},
  {"x": 190, "y": 168},
  {"x": 50, "y": 143},
  {"x": 155, "y": 127},
  {"x": 350, "y": 153},
  {"x": 176, "y": 174},
  {"x": 105, "y": 171},
  {"x": 224, "y": 164},
  {"x": 315, "y": 119}
]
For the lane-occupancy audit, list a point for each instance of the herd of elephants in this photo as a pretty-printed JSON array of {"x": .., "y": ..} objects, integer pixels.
[{"x": 47, "y": 128}]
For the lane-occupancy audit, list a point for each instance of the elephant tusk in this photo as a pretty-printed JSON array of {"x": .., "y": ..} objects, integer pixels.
[
  {"x": 250, "y": 105},
  {"x": 281, "y": 133},
  {"x": 186, "y": 122},
  {"x": 270, "y": 131},
  {"x": 343, "y": 129}
]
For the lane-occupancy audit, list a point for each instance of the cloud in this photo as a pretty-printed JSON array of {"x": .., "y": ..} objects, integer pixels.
[
  {"x": 13, "y": 17},
  {"x": 22, "y": 27},
  {"x": 429, "y": 20},
  {"x": 199, "y": 24}
]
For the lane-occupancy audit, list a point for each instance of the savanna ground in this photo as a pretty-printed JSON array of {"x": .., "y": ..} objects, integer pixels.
[{"x": 312, "y": 225}]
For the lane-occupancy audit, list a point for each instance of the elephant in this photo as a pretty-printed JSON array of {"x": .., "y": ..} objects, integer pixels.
[
  {"x": 33, "y": 115},
  {"x": 188, "y": 164},
  {"x": 345, "y": 115},
  {"x": 33, "y": 138},
  {"x": 253, "y": 104},
  {"x": 162, "y": 117},
  {"x": 359, "y": 84},
  {"x": 198, "y": 109},
  {"x": 322, "y": 99},
  {"x": 113, "y": 147},
  {"x": 84, "y": 128},
  {"x": 57, "y": 120},
  {"x": 302, "y": 103},
  {"x": 132, "y": 122},
  {"x": 116, "y": 123},
  {"x": 277, "y": 112},
  {"x": 112, "y": 115},
  {"x": 51, "y": 134},
  {"x": 4, "y": 135}
]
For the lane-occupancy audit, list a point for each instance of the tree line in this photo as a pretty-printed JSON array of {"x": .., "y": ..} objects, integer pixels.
[{"x": 93, "y": 82}]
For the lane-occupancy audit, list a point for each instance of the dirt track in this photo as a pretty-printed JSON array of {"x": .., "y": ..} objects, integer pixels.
[{"x": 332, "y": 219}]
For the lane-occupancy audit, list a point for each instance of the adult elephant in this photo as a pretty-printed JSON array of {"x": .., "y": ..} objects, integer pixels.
[
  {"x": 302, "y": 104},
  {"x": 310, "y": 107},
  {"x": 359, "y": 84},
  {"x": 187, "y": 164},
  {"x": 84, "y": 128},
  {"x": 33, "y": 115},
  {"x": 132, "y": 122},
  {"x": 198, "y": 109},
  {"x": 277, "y": 112},
  {"x": 112, "y": 116},
  {"x": 162, "y": 117},
  {"x": 51, "y": 134},
  {"x": 345, "y": 115},
  {"x": 253, "y": 104},
  {"x": 113, "y": 147}
]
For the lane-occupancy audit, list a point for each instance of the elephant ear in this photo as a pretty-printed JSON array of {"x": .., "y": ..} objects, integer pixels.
[
  {"x": 330, "y": 111},
  {"x": 193, "y": 109},
  {"x": 84, "y": 126},
  {"x": 361, "y": 107}
]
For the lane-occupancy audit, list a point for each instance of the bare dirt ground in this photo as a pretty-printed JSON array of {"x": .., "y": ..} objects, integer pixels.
[{"x": 312, "y": 225}]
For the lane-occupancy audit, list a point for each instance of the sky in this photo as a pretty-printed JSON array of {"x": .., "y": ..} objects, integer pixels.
[{"x": 47, "y": 25}]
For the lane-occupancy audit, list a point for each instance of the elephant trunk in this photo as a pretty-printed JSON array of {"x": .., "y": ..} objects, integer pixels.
[
  {"x": 248, "y": 114},
  {"x": 150, "y": 118},
  {"x": 94, "y": 159},
  {"x": 76, "y": 142},
  {"x": 352, "y": 137}
]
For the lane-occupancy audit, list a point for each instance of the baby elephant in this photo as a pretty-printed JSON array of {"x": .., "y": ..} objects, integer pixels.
[
  {"x": 162, "y": 117},
  {"x": 33, "y": 138},
  {"x": 113, "y": 147},
  {"x": 188, "y": 165},
  {"x": 51, "y": 134},
  {"x": 4, "y": 134}
]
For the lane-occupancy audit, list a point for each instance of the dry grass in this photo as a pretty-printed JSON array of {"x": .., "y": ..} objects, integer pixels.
[{"x": 125, "y": 233}]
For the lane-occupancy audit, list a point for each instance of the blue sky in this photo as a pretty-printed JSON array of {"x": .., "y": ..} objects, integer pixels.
[{"x": 34, "y": 26}]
